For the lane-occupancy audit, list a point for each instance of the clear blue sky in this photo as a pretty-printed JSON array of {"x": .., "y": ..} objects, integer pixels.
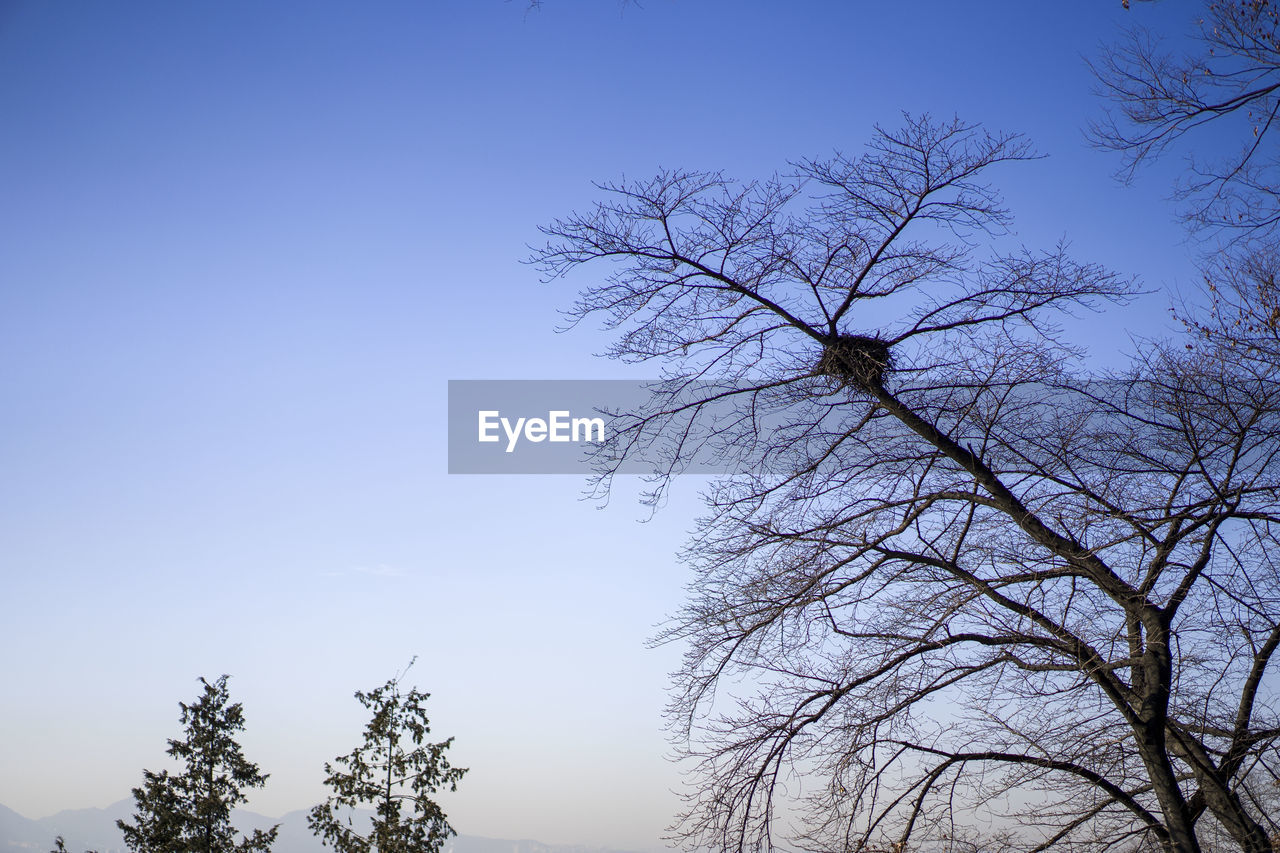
[{"x": 243, "y": 247}]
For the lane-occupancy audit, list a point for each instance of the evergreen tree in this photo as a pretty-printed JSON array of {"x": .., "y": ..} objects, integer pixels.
[
  {"x": 394, "y": 771},
  {"x": 190, "y": 811}
]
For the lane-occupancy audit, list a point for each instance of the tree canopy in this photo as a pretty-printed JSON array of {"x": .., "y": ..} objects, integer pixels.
[
  {"x": 397, "y": 772},
  {"x": 190, "y": 811},
  {"x": 959, "y": 581}
]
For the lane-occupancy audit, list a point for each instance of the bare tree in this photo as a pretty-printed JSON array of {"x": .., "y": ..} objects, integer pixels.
[
  {"x": 959, "y": 596},
  {"x": 1228, "y": 74}
]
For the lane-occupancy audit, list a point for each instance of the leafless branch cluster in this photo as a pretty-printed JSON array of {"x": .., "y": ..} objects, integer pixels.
[
  {"x": 1244, "y": 303},
  {"x": 961, "y": 597},
  {"x": 1230, "y": 76}
]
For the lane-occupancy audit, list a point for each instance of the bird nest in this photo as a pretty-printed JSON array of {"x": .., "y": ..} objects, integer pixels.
[{"x": 855, "y": 360}]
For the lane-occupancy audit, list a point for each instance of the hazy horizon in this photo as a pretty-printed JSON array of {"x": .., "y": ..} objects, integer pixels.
[{"x": 81, "y": 830}]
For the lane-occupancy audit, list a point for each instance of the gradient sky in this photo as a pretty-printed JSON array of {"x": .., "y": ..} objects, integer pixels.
[{"x": 243, "y": 247}]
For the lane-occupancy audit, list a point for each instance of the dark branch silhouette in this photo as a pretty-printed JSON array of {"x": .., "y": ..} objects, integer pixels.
[
  {"x": 958, "y": 582},
  {"x": 1229, "y": 78}
]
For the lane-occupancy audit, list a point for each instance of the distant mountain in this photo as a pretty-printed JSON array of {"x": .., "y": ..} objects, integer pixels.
[{"x": 95, "y": 829}]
